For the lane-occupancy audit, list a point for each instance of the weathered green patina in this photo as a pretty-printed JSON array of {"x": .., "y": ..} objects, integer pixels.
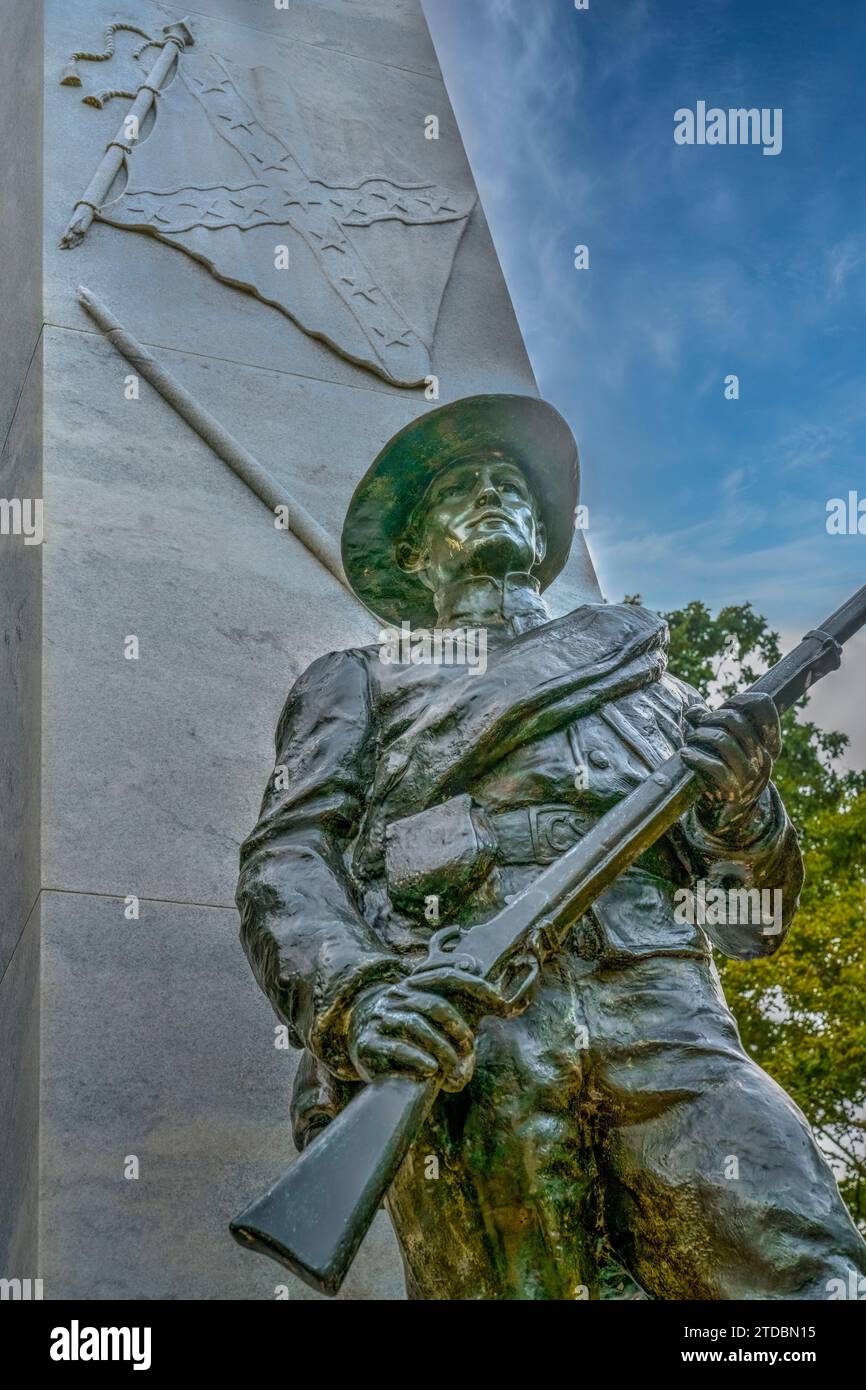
[
  {"x": 618, "y": 1109},
  {"x": 525, "y": 430}
]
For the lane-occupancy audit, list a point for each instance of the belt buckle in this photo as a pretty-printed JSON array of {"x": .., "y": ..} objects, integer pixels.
[{"x": 544, "y": 847}]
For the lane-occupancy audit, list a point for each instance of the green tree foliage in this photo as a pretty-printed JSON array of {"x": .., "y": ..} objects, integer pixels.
[{"x": 801, "y": 1013}]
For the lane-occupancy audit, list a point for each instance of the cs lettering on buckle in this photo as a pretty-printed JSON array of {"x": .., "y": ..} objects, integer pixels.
[{"x": 552, "y": 832}]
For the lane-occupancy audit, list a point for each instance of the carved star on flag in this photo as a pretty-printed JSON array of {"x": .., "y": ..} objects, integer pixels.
[
  {"x": 436, "y": 204},
  {"x": 391, "y": 338},
  {"x": 334, "y": 241},
  {"x": 367, "y": 292}
]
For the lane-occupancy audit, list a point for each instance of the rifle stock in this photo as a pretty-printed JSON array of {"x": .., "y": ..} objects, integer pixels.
[{"x": 313, "y": 1219}]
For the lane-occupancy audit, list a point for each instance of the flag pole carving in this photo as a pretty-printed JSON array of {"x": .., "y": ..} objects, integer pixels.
[
  {"x": 214, "y": 179},
  {"x": 177, "y": 38},
  {"x": 300, "y": 523}
]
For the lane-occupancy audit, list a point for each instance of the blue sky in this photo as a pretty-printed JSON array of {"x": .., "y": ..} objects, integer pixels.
[{"x": 704, "y": 261}]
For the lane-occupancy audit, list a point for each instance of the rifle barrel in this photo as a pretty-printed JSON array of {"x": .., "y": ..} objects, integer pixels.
[{"x": 849, "y": 618}]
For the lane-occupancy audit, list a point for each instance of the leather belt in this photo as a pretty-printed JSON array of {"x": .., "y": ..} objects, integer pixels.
[{"x": 540, "y": 834}]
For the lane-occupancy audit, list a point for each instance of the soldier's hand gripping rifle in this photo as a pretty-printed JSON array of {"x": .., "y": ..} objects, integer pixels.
[{"x": 313, "y": 1219}]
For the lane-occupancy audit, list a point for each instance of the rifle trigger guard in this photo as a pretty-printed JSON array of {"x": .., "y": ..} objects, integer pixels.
[
  {"x": 522, "y": 972},
  {"x": 442, "y": 951}
]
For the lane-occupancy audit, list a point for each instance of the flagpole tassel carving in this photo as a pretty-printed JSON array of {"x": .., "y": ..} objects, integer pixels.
[
  {"x": 300, "y": 523},
  {"x": 178, "y": 37},
  {"x": 70, "y": 77},
  {"x": 100, "y": 99}
]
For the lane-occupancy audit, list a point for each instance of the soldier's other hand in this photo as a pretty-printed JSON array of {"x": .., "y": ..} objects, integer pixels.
[
  {"x": 420, "y": 1027},
  {"x": 732, "y": 751}
]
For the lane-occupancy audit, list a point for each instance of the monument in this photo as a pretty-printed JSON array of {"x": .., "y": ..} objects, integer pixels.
[
  {"x": 263, "y": 256},
  {"x": 245, "y": 257}
]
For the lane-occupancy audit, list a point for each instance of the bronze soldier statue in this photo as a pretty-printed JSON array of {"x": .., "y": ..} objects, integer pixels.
[{"x": 619, "y": 1110}]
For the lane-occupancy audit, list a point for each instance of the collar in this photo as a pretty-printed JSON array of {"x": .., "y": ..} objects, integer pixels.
[{"x": 513, "y": 602}]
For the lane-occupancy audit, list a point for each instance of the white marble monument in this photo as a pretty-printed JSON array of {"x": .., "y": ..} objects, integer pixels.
[{"x": 276, "y": 204}]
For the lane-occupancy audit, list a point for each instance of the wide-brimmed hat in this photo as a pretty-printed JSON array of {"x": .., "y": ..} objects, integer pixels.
[{"x": 527, "y": 431}]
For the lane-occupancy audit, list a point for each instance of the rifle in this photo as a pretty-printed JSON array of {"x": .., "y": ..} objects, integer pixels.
[{"x": 313, "y": 1219}]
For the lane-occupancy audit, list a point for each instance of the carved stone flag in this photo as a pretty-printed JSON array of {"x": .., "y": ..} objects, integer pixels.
[{"x": 218, "y": 178}]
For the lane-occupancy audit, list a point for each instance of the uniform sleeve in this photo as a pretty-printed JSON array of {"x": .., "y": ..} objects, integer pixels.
[
  {"x": 306, "y": 940},
  {"x": 767, "y": 857}
]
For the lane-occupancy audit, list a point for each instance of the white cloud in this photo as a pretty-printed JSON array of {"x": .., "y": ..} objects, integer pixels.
[{"x": 845, "y": 257}]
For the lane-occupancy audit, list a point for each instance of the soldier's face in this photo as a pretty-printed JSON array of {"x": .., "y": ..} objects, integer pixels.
[{"x": 480, "y": 517}]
